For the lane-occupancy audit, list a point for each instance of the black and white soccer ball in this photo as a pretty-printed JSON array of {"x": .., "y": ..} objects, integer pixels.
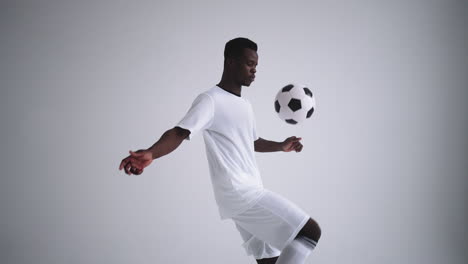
[{"x": 294, "y": 103}]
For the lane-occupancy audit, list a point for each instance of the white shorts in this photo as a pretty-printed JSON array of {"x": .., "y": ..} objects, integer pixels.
[{"x": 269, "y": 225}]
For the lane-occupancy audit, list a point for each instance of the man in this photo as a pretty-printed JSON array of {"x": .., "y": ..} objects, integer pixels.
[{"x": 274, "y": 229}]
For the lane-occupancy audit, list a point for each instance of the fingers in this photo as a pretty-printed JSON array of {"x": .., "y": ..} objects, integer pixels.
[
  {"x": 131, "y": 166},
  {"x": 128, "y": 166},
  {"x": 294, "y": 139},
  {"x": 123, "y": 163},
  {"x": 136, "y": 171},
  {"x": 299, "y": 148},
  {"x": 296, "y": 146}
]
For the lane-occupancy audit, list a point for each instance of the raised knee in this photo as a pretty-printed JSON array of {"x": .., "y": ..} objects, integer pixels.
[
  {"x": 319, "y": 233},
  {"x": 316, "y": 232},
  {"x": 311, "y": 230}
]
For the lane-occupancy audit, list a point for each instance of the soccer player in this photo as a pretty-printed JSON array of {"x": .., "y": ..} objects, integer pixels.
[{"x": 274, "y": 229}]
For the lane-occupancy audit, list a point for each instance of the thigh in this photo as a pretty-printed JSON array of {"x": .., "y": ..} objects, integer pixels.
[
  {"x": 273, "y": 219},
  {"x": 256, "y": 247}
]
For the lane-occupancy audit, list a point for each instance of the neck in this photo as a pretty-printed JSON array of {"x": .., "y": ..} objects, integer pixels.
[{"x": 230, "y": 86}]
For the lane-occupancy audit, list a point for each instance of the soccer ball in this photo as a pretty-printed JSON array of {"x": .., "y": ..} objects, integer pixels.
[{"x": 294, "y": 103}]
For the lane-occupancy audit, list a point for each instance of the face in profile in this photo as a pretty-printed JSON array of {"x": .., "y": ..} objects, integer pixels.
[{"x": 245, "y": 67}]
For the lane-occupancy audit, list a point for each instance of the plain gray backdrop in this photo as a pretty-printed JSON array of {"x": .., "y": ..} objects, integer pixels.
[{"x": 384, "y": 164}]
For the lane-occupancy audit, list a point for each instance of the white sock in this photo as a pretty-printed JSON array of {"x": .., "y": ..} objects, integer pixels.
[{"x": 297, "y": 251}]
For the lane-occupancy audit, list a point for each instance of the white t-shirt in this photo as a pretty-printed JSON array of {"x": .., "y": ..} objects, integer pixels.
[{"x": 229, "y": 131}]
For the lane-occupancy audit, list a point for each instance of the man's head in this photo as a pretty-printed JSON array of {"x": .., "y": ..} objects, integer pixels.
[{"x": 240, "y": 60}]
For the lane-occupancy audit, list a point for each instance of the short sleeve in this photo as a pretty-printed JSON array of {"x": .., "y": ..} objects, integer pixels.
[
  {"x": 255, "y": 136},
  {"x": 199, "y": 116}
]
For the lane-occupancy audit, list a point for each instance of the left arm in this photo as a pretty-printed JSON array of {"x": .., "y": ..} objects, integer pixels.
[{"x": 289, "y": 144}]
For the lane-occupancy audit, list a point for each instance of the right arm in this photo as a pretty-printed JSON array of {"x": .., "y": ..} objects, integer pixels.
[
  {"x": 169, "y": 141},
  {"x": 198, "y": 117},
  {"x": 138, "y": 160}
]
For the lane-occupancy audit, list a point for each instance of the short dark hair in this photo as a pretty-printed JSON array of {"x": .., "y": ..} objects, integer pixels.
[{"x": 235, "y": 47}]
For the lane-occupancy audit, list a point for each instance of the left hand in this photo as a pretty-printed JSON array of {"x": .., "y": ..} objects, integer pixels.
[{"x": 292, "y": 143}]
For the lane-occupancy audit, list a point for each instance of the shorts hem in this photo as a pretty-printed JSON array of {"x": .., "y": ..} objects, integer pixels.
[
  {"x": 246, "y": 244},
  {"x": 298, "y": 229}
]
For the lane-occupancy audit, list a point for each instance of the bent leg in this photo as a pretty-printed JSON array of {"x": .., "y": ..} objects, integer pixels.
[
  {"x": 297, "y": 251},
  {"x": 311, "y": 230}
]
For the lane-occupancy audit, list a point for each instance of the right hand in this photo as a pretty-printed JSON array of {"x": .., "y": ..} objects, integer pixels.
[{"x": 136, "y": 162}]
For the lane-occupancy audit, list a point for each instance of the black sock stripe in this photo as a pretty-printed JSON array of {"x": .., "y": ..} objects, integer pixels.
[{"x": 313, "y": 242}]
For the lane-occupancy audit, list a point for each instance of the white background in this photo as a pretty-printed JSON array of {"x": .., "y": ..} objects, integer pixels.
[{"x": 383, "y": 169}]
